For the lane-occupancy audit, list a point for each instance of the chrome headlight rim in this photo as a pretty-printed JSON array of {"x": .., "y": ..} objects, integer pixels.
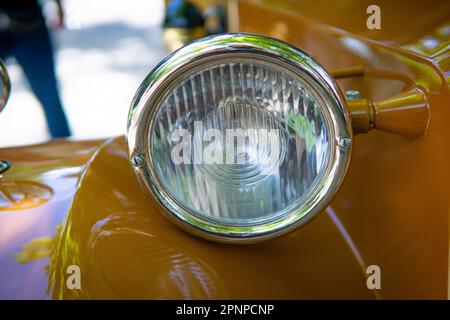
[{"x": 205, "y": 51}]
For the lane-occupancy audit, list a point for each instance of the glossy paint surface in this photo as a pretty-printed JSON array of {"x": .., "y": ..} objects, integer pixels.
[
  {"x": 394, "y": 202},
  {"x": 127, "y": 249},
  {"x": 35, "y": 195},
  {"x": 392, "y": 209}
]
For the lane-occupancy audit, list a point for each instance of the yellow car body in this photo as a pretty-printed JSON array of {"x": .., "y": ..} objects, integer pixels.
[{"x": 69, "y": 203}]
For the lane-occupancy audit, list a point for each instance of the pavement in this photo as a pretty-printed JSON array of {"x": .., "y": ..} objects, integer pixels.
[{"x": 102, "y": 55}]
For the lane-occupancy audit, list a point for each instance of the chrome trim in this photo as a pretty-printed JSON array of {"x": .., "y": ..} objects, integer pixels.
[
  {"x": 5, "y": 86},
  {"x": 145, "y": 106},
  {"x": 4, "y": 166}
]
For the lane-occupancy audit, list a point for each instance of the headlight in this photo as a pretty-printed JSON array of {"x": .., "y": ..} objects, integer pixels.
[{"x": 240, "y": 137}]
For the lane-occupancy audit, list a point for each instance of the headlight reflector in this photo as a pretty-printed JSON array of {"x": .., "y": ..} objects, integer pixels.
[{"x": 241, "y": 137}]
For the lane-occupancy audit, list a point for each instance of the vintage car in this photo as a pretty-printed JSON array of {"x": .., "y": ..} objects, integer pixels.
[{"x": 345, "y": 110}]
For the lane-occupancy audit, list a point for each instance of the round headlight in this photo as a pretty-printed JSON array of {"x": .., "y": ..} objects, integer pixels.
[{"x": 240, "y": 137}]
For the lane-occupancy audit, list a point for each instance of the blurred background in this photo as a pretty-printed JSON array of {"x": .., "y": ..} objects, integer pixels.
[{"x": 102, "y": 52}]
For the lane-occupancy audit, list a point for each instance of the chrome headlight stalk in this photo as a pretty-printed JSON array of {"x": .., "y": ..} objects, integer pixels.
[{"x": 243, "y": 84}]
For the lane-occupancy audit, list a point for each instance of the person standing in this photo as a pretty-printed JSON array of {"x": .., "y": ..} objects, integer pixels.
[{"x": 24, "y": 36}]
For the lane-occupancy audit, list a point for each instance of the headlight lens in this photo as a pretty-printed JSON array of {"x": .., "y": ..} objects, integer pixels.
[{"x": 240, "y": 137}]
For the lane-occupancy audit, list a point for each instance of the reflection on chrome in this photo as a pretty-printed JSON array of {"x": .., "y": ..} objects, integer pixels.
[{"x": 250, "y": 83}]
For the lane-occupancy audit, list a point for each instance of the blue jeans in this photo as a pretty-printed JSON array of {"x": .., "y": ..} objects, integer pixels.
[{"x": 33, "y": 51}]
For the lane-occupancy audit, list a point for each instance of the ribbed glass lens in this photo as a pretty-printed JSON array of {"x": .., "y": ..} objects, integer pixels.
[{"x": 240, "y": 142}]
